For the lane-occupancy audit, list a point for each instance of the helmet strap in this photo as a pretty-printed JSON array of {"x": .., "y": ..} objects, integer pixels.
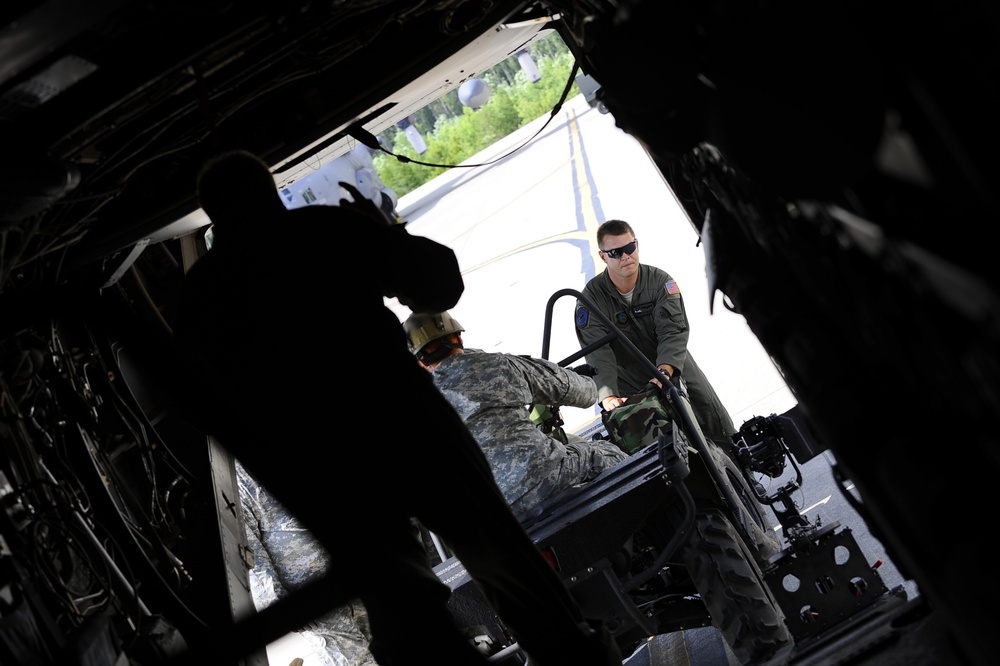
[{"x": 444, "y": 348}]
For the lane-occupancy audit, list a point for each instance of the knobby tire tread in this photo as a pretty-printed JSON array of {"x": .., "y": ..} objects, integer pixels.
[{"x": 730, "y": 585}]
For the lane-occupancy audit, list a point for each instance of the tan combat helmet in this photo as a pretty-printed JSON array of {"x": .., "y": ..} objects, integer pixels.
[{"x": 424, "y": 327}]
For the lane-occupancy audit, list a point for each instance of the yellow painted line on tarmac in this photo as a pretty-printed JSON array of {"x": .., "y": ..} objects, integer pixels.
[
  {"x": 585, "y": 205},
  {"x": 572, "y": 235},
  {"x": 585, "y": 191}
]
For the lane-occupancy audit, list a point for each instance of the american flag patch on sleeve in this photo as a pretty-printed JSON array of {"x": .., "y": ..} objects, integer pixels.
[{"x": 672, "y": 288}]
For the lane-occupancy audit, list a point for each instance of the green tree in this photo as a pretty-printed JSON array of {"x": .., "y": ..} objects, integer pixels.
[
  {"x": 458, "y": 132},
  {"x": 533, "y": 100}
]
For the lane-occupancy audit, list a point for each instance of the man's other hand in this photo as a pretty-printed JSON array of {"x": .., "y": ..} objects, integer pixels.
[
  {"x": 611, "y": 402},
  {"x": 362, "y": 205}
]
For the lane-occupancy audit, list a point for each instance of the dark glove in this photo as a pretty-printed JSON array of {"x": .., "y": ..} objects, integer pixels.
[
  {"x": 585, "y": 370},
  {"x": 364, "y": 206}
]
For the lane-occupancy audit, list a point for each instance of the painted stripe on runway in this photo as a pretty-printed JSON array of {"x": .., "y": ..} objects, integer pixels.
[{"x": 587, "y": 205}]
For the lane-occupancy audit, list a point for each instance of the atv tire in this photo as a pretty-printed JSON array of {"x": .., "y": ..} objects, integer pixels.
[
  {"x": 751, "y": 514},
  {"x": 732, "y": 588}
]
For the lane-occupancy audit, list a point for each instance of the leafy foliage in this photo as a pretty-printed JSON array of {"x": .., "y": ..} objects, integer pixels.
[{"x": 455, "y": 133}]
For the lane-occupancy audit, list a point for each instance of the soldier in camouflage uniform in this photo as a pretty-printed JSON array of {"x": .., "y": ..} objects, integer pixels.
[
  {"x": 646, "y": 306},
  {"x": 287, "y": 557},
  {"x": 492, "y": 392}
]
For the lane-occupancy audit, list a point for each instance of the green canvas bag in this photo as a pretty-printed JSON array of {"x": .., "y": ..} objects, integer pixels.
[{"x": 640, "y": 421}]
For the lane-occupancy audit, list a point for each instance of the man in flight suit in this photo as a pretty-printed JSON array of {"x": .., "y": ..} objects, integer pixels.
[
  {"x": 646, "y": 306},
  {"x": 492, "y": 393}
]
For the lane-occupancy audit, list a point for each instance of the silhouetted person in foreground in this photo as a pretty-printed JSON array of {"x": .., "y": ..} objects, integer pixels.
[{"x": 300, "y": 370}]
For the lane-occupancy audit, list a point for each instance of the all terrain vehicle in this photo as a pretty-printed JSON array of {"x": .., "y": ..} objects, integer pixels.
[{"x": 679, "y": 536}]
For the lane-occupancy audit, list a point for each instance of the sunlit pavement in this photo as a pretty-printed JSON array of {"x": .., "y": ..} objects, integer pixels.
[{"x": 523, "y": 229}]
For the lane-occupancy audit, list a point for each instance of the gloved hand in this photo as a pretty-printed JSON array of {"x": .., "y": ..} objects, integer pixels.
[
  {"x": 585, "y": 370},
  {"x": 360, "y": 204}
]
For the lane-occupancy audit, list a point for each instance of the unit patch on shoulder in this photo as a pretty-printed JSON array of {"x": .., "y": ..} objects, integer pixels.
[
  {"x": 672, "y": 287},
  {"x": 582, "y": 317}
]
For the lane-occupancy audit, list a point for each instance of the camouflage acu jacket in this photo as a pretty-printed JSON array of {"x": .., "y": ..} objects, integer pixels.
[{"x": 492, "y": 393}]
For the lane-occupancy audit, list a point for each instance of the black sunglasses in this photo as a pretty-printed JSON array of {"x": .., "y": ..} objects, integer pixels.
[{"x": 617, "y": 252}]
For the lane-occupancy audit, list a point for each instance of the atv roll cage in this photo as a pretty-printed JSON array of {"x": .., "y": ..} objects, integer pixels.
[
  {"x": 676, "y": 537},
  {"x": 682, "y": 408}
]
